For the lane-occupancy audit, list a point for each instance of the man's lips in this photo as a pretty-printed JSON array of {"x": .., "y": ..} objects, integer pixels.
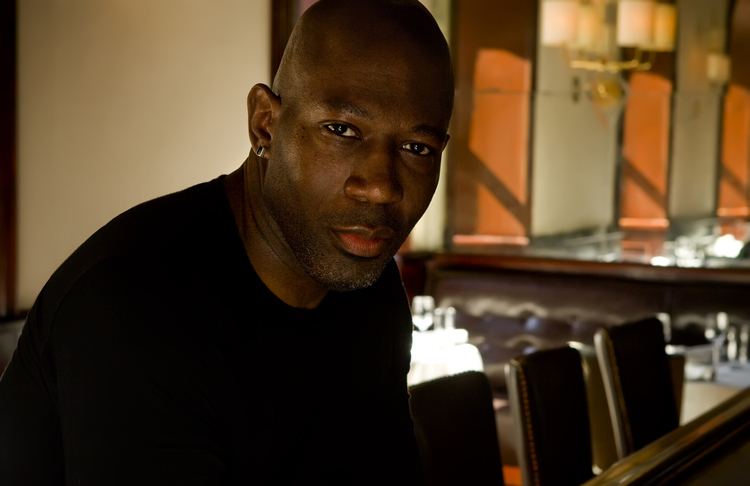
[{"x": 363, "y": 241}]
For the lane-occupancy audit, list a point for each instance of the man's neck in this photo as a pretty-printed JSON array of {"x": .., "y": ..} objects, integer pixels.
[{"x": 269, "y": 255}]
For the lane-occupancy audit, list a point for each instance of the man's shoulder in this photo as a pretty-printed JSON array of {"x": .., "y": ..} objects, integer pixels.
[
  {"x": 148, "y": 234},
  {"x": 154, "y": 223}
]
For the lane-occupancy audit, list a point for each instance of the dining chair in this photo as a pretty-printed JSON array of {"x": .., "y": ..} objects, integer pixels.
[
  {"x": 549, "y": 405},
  {"x": 456, "y": 432},
  {"x": 603, "y": 451},
  {"x": 638, "y": 383}
]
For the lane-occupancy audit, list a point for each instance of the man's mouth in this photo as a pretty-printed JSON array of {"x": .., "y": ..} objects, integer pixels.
[{"x": 363, "y": 241}]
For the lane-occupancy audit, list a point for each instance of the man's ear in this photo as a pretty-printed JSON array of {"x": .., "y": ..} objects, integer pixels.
[{"x": 262, "y": 111}]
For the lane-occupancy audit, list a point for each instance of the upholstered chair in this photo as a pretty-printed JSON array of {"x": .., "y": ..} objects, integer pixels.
[
  {"x": 456, "y": 432},
  {"x": 637, "y": 377},
  {"x": 549, "y": 404}
]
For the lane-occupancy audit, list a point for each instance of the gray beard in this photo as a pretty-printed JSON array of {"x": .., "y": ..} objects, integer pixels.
[{"x": 333, "y": 276}]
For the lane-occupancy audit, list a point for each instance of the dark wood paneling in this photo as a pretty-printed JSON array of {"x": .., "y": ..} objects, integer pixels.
[
  {"x": 7, "y": 157},
  {"x": 739, "y": 43},
  {"x": 589, "y": 269},
  {"x": 582, "y": 291}
]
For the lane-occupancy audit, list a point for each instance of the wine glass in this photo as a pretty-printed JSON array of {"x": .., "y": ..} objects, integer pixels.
[{"x": 422, "y": 311}]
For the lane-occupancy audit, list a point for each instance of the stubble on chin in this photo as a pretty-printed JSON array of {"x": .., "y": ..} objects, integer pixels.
[
  {"x": 331, "y": 267},
  {"x": 342, "y": 274}
]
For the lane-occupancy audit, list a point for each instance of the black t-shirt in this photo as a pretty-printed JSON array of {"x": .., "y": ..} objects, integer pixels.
[{"x": 155, "y": 355}]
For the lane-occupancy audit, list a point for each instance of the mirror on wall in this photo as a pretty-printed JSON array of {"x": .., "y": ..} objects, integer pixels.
[{"x": 609, "y": 130}]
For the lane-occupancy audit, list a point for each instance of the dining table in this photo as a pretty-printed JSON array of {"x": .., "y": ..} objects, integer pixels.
[{"x": 442, "y": 352}]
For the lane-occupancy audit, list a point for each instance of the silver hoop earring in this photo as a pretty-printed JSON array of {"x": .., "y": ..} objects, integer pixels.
[{"x": 259, "y": 151}]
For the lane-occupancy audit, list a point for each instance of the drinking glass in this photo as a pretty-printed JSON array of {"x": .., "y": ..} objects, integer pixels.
[{"x": 422, "y": 311}]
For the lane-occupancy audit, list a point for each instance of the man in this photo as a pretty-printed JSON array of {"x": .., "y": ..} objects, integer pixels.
[{"x": 252, "y": 329}]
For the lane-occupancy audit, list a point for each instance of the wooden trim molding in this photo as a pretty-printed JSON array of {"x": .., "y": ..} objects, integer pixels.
[
  {"x": 623, "y": 270},
  {"x": 662, "y": 461},
  {"x": 7, "y": 158}
]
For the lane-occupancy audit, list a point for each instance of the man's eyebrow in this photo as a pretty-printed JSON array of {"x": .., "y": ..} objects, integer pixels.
[
  {"x": 431, "y": 131},
  {"x": 346, "y": 107}
]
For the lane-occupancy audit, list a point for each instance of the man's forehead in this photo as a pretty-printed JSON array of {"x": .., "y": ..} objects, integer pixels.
[
  {"x": 393, "y": 78},
  {"x": 360, "y": 93}
]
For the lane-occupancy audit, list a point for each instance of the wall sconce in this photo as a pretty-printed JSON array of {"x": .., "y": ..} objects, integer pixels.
[
  {"x": 585, "y": 29},
  {"x": 718, "y": 68}
]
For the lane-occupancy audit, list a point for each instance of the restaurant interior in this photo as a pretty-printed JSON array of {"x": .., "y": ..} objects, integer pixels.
[{"x": 579, "y": 284}]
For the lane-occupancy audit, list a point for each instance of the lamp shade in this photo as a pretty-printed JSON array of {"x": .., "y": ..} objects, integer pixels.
[
  {"x": 587, "y": 32},
  {"x": 635, "y": 23},
  {"x": 559, "y": 22},
  {"x": 665, "y": 20},
  {"x": 718, "y": 67}
]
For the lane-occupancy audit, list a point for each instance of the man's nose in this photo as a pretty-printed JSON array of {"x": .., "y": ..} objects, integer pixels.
[{"x": 374, "y": 179}]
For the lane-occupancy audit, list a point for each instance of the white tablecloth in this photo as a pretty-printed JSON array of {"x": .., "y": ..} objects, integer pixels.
[
  {"x": 733, "y": 374},
  {"x": 700, "y": 396},
  {"x": 441, "y": 353}
]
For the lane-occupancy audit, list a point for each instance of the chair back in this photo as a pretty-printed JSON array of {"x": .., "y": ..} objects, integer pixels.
[
  {"x": 549, "y": 406},
  {"x": 603, "y": 451},
  {"x": 456, "y": 431},
  {"x": 637, "y": 379}
]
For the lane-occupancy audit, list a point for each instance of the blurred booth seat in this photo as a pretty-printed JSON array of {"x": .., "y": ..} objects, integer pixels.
[{"x": 9, "y": 334}]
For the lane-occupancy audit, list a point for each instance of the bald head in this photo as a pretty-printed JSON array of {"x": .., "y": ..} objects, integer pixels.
[
  {"x": 333, "y": 33},
  {"x": 349, "y": 141}
]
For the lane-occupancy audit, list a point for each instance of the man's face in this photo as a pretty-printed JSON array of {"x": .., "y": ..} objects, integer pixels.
[{"x": 355, "y": 162}]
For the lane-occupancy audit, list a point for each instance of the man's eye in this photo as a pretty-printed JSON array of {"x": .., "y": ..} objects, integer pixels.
[
  {"x": 417, "y": 148},
  {"x": 341, "y": 130}
]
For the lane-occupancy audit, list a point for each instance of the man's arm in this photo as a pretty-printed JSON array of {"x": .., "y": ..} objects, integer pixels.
[
  {"x": 123, "y": 408},
  {"x": 30, "y": 441}
]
